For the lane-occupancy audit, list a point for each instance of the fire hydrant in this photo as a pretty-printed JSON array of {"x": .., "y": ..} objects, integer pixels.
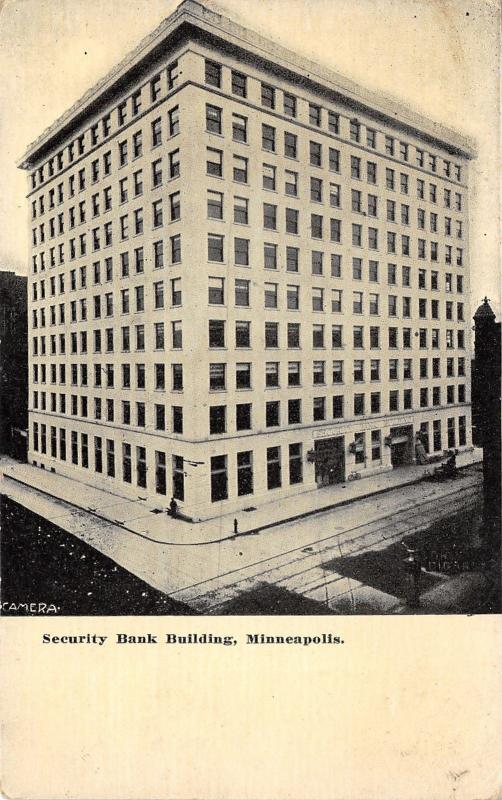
[{"x": 413, "y": 568}]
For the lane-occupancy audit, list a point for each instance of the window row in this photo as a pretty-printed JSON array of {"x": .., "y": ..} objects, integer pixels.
[
  {"x": 330, "y": 120},
  {"x": 111, "y": 122}
]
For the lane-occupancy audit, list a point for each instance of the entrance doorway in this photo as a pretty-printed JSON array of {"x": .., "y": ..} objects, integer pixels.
[
  {"x": 401, "y": 449},
  {"x": 329, "y": 461}
]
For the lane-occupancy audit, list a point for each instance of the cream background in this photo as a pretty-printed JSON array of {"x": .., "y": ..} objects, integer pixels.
[{"x": 408, "y": 707}]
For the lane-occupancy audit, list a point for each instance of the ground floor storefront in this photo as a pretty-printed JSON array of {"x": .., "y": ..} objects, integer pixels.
[{"x": 228, "y": 474}]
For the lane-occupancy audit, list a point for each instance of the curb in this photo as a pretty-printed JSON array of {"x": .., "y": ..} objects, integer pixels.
[{"x": 232, "y": 536}]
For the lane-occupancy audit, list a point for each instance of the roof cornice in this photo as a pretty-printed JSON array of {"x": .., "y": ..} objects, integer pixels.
[{"x": 232, "y": 34}]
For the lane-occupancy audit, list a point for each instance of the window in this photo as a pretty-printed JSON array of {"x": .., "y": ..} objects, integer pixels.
[
  {"x": 215, "y": 247},
  {"x": 294, "y": 373},
  {"x": 337, "y": 373},
  {"x": 375, "y": 369},
  {"x": 268, "y": 177},
  {"x": 243, "y": 416},
  {"x": 268, "y": 138},
  {"x": 376, "y": 445},
  {"x": 358, "y": 405},
  {"x": 241, "y": 214},
  {"x": 239, "y": 82},
  {"x": 156, "y": 175},
  {"x": 338, "y": 406},
  {"x": 373, "y": 238},
  {"x": 291, "y": 183},
  {"x": 293, "y": 334},
  {"x": 316, "y": 190},
  {"x": 289, "y": 104},
  {"x": 372, "y": 206},
  {"x": 216, "y": 291},
  {"x": 295, "y": 463},
  {"x": 239, "y": 128},
  {"x": 315, "y": 115},
  {"x": 336, "y": 300},
  {"x": 315, "y": 154},
  {"x": 355, "y": 130},
  {"x": 267, "y": 96},
  {"x": 316, "y": 224},
  {"x": 290, "y": 145},
  {"x": 358, "y": 371},
  {"x": 240, "y": 169},
  {"x": 213, "y": 119},
  {"x": 177, "y": 377},
  {"x": 355, "y": 167},
  {"x": 375, "y": 402},
  {"x": 270, "y": 295},
  {"x": 174, "y": 164},
  {"x": 292, "y": 254},
  {"x": 214, "y": 162},
  {"x": 293, "y": 297},
  {"x": 317, "y": 262},
  {"x": 317, "y": 299},
  {"x": 333, "y": 122},
  {"x": 217, "y": 419},
  {"x": 272, "y": 414},
  {"x": 390, "y": 178},
  {"x": 294, "y": 412},
  {"x": 374, "y": 303},
  {"x": 269, "y": 216},
  {"x": 213, "y": 73},
  {"x": 241, "y": 292},
  {"x": 318, "y": 373},
  {"x": 219, "y": 480},
  {"x": 271, "y": 334},
  {"x": 292, "y": 220},
  {"x": 336, "y": 265},
  {"x": 389, "y": 145},
  {"x": 216, "y": 333},
  {"x": 273, "y": 467},
  {"x": 334, "y": 195},
  {"x": 336, "y": 336},
  {"x": 243, "y": 375},
  {"x": 176, "y": 296},
  {"x": 357, "y": 232}
]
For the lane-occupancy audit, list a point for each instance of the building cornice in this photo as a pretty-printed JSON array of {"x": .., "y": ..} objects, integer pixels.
[{"x": 229, "y": 35}]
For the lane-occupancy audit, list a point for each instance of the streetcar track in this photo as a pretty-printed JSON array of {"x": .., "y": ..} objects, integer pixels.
[
  {"x": 305, "y": 590},
  {"x": 367, "y": 534},
  {"x": 470, "y": 490}
]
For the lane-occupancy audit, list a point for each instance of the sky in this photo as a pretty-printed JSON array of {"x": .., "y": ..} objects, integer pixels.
[{"x": 440, "y": 57}]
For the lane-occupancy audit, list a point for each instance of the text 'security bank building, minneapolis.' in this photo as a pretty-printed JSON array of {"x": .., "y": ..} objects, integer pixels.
[{"x": 249, "y": 276}]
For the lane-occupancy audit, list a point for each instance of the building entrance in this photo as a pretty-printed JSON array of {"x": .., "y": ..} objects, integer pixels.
[
  {"x": 329, "y": 461},
  {"x": 401, "y": 448}
]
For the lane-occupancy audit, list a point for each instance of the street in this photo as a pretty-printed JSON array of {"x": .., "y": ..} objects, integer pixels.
[{"x": 347, "y": 560}]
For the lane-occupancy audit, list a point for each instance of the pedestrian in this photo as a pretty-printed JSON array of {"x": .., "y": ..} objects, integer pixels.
[{"x": 173, "y": 508}]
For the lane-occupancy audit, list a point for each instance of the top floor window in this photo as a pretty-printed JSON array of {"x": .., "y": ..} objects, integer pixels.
[
  {"x": 213, "y": 73},
  {"x": 136, "y": 103},
  {"x": 172, "y": 75},
  {"x": 333, "y": 122},
  {"x": 239, "y": 84},
  {"x": 267, "y": 96},
  {"x": 289, "y": 104},
  {"x": 315, "y": 115}
]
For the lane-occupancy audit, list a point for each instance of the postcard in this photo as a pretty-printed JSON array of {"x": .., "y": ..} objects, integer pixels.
[{"x": 250, "y": 400}]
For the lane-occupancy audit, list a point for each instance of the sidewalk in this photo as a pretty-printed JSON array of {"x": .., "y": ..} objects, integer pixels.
[{"x": 136, "y": 516}]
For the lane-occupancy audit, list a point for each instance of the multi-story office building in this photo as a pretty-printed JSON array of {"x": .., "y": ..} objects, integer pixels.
[{"x": 249, "y": 276}]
